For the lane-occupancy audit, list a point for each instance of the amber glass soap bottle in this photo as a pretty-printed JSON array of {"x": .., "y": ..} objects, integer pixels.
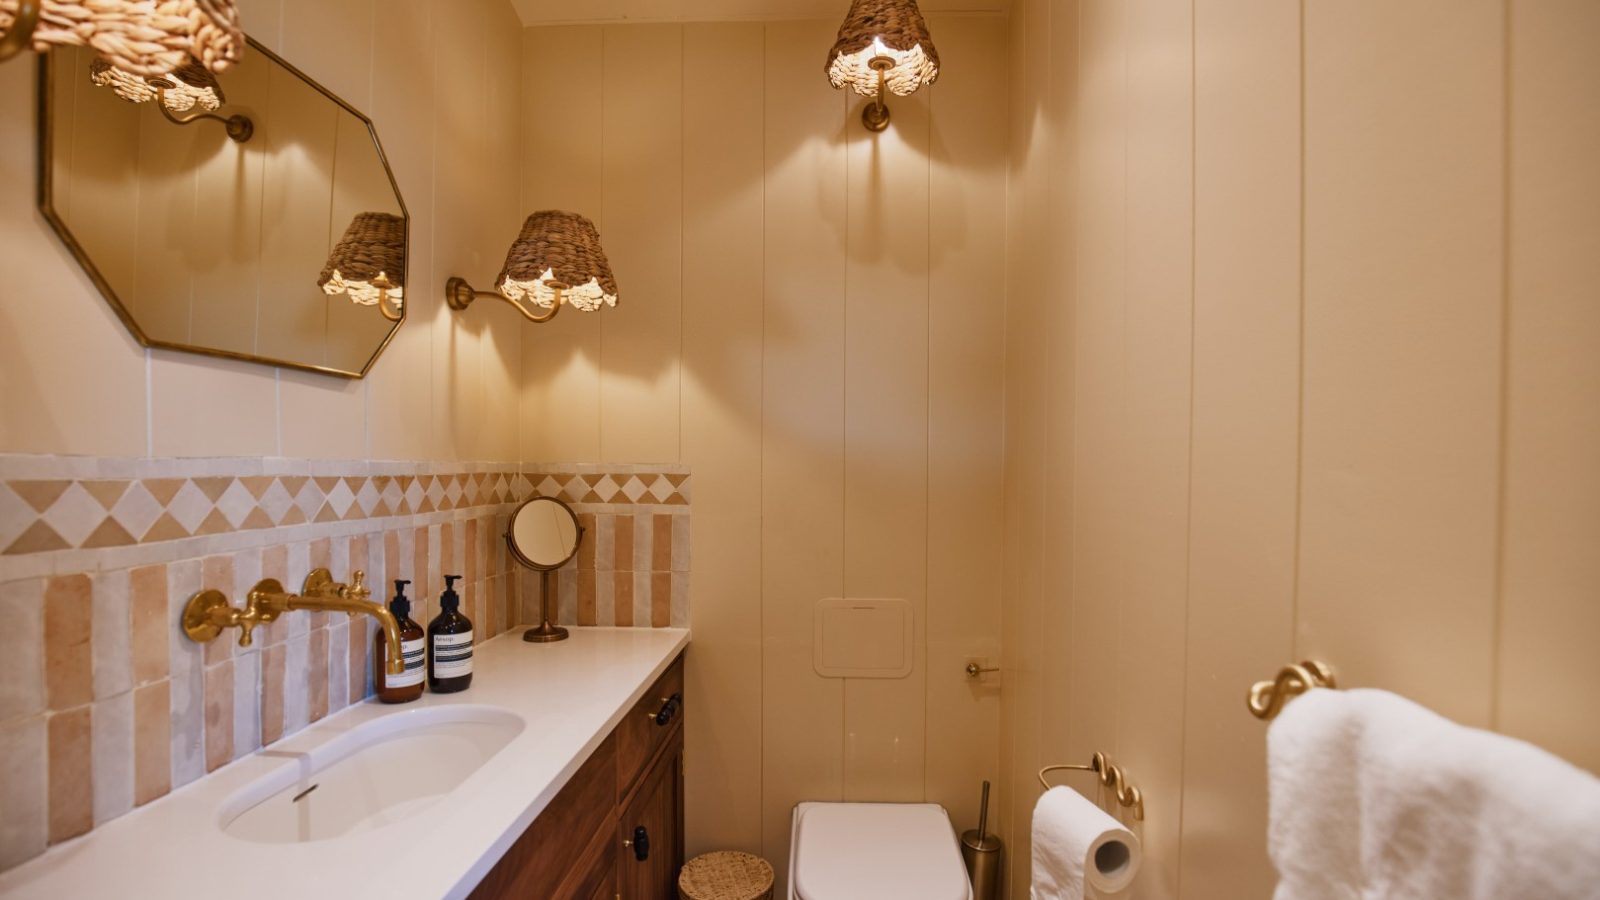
[
  {"x": 407, "y": 687},
  {"x": 449, "y": 644}
]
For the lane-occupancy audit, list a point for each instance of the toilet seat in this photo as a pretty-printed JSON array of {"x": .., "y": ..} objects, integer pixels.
[{"x": 875, "y": 851}]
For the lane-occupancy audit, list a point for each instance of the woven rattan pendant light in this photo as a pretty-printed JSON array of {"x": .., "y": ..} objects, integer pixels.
[
  {"x": 146, "y": 38},
  {"x": 556, "y": 259},
  {"x": 883, "y": 47},
  {"x": 369, "y": 264}
]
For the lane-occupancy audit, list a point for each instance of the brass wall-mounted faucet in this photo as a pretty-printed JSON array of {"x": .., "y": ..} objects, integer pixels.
[{"x": 209, "y": 611}]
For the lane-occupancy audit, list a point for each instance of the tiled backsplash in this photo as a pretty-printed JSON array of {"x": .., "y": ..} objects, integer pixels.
[{"x": 109, "y": 706}]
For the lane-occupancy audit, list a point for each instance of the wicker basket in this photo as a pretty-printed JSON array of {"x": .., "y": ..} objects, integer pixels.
[{"x": 726, "y": 875}]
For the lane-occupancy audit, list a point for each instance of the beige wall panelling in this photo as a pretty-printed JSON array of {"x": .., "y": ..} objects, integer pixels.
[
  {"x": 641, "y": 339},
  {"x": 886, "y": 435},
  {"x": 227, "y": 279},
  {"x": 723, "y": 147},
  {"x": 1024, "y": 438},
  {"x": 462, "y": 245},
  {"x": 1158, "y": 315},
  {"x": 966, "y": 350},
  {"x": 561, "y": 96},
  {"x": 88, "y": 400},
  {"x": 1403, "y": 283},
  {"x": 1100, "y": 520},
  {"x": 1055, "y": 299},
  {"x": 500, "y": 429},
  {"x": 1549, "y": 615},
  {"x": 802, "y": 425},
  {"x": 399, "y": 405},
  {"x": 153, "y": 255},
  {"x": 1243, "y": 489}
]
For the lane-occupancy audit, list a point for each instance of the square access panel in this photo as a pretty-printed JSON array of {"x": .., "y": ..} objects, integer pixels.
[{"x": 858, "y": 638}]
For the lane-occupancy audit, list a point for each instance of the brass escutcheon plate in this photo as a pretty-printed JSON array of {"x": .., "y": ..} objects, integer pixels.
[{"x": 199, "y": 619}]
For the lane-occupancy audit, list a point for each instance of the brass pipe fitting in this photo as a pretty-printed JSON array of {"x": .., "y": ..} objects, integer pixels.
[{"x": 209, "y": 611}]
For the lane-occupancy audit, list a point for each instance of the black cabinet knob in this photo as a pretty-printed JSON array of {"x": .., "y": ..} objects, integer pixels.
[
  {"x": 640, "y": 844},
  {"x": 669, "y": 709}
]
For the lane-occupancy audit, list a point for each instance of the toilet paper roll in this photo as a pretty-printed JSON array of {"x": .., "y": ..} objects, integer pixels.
[{"x": 1076, "y": 843}]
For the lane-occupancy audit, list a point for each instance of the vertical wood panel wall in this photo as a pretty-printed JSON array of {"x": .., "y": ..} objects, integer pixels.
[
  {"x": 811, "y": 317},
  {"x": 1332, "y": 390}
]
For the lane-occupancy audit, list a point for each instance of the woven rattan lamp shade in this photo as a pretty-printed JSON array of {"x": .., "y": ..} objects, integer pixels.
[
  {"x": 187, "y": 87},
  {"x": 141, "y": 37},
  {"x": 883, "y": 28},
  {"x": 374, "y": 245},
  {"x": 558, "y": 251}
]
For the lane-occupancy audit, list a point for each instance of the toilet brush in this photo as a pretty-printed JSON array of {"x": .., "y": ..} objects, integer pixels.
[{"x": 982, "y": 854}]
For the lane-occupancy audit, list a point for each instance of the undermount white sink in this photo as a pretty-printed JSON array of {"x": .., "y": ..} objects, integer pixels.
[{"x": 380, "y": 772}]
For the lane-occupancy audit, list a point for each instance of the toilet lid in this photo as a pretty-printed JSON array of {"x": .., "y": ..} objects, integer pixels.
[{"x": 877, "y": 851}]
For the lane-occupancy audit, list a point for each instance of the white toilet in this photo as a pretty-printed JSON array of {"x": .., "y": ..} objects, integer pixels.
[{"x": 875, "y": 851}]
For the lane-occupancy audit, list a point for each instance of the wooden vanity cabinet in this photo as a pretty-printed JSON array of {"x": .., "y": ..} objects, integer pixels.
[{"x": 615, "y": 831}]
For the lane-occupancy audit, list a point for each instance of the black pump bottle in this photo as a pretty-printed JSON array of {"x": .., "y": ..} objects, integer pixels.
[{"x": 449, "y": 644}]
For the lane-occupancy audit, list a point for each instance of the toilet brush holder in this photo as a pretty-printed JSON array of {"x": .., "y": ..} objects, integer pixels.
[{"x": 981, "y": 852}]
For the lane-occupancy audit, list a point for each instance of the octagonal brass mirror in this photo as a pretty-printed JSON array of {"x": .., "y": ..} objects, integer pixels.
[{"x": 249, "y": 215}]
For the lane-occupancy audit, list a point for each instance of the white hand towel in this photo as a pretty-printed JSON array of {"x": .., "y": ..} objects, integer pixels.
[
  {"x": 1374, "y": 797},
  {"x": 1076, "y": 842}
]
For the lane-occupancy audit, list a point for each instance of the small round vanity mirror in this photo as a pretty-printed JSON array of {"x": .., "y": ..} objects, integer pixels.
[{"x": 544, "y": 534}]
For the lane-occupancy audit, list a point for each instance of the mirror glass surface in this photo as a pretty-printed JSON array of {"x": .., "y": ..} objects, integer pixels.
[
  {"x": 206, "y": 244},
  {"x": 544, "y": 533}
]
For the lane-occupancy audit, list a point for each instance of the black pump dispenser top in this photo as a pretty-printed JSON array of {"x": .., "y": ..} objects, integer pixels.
[
  {"x": 449, "y": 600},
  {"x": 401, "y": 604}
]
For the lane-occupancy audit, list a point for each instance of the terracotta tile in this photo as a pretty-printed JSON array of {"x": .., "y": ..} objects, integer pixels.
[
  {"x": 469, "y": 567},
  {"x": 71, "y": 774},
  {"x": 660, "y": 599},
  {"x": 108, "y": 534},
  {"x": 152, "y": 742},
  {"x": 39, "y": 494},
  {"x": 447, "y": 550},
  {"x": 212, "y": 485},
  {"x": 391, "y": 560},
  {"x": 586, "y": 547},
  {"x": 317, "y": 674},
  {"x": 622, "y": 543},
  {"x": 322, "y": 556},
  {"x": 69, "y": 673},
  {"x": 147, "y": 587},
  {"x": 219, "y": 714},
  {"x": 214, "y": 523},
  {"x": 39, "y": 538},
  {"x": 586, "y": 597},
  {"x": 622, "y": 600},
  {"x": 359, "y": 680},
  {"x": 661, "y": 543},
  {"x": 274, "y": 565},
  {"x": 272, "y": 673},
  {"x": 357, "y": 554},
  {"x": 216, "y": 572}
]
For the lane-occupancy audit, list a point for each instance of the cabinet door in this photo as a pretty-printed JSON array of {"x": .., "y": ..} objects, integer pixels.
[{"x": 649, "y": 832}]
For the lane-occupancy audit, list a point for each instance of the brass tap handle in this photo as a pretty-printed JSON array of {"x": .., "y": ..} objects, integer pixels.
[
  {"x": 357, "y": 589},
  {"x": 974, "y": 670}
]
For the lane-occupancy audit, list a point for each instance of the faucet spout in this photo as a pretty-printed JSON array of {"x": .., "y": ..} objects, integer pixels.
[{"x": 209, "y": 612}]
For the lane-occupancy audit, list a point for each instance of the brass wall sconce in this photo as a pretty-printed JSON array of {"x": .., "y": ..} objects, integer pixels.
[
  {"x": 360, "y": 266},
  {"x": 145, "y": 39},
  {"x": 555, "y": 260},
  {"x": 189, "y": 89},
  {"x": 883, "y": 47}
]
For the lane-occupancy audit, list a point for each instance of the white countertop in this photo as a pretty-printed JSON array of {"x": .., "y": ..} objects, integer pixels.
[{"x": 571, "y": 693}]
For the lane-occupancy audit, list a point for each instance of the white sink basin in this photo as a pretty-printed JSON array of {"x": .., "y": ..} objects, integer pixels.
[{"x": 377, "y": 773}]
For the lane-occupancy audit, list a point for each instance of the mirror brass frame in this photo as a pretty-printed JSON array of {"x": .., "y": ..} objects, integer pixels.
[
  {"x": 546, "y": 631},
  {"x": 45, "y": 147}
]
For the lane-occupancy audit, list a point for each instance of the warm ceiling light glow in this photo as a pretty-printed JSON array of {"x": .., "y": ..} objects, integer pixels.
[
  {"x": 883, "y": 48},
  {"x": 368, "y": 264}
]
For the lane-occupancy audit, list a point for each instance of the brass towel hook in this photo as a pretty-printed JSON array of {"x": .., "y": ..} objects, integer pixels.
[
  {"x": 1267, "y": 698},
  {"x": 1111, "y": 776}
]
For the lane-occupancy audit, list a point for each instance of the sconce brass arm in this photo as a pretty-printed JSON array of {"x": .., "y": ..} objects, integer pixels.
[
  {"x": 239, "y": 127},
  {"x": 16, "y": 39},
  {"x": 459, "y": 295},
  {"x": 209, "y": 611},
  {"x": 383, "y": 285}
]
